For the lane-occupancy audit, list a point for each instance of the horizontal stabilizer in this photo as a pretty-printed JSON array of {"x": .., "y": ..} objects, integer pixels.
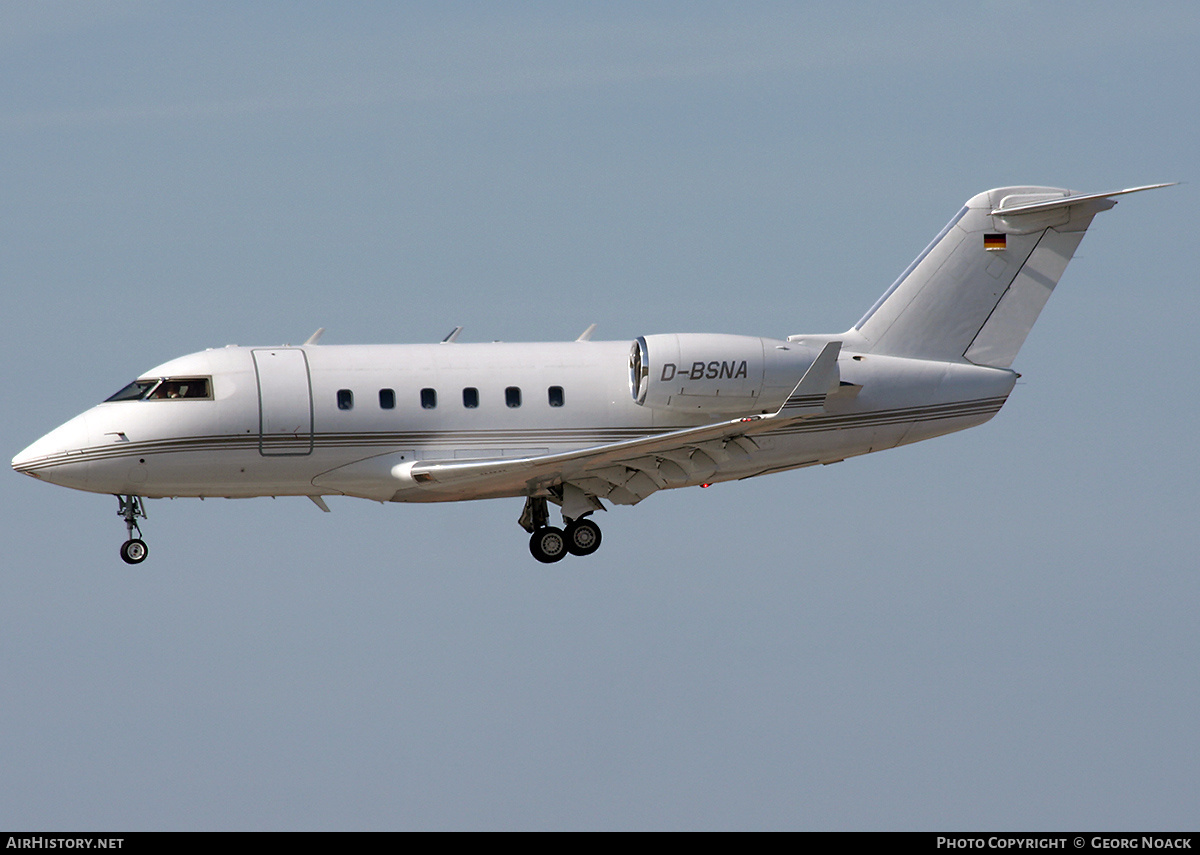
[{"x": 1053, "y": 204}]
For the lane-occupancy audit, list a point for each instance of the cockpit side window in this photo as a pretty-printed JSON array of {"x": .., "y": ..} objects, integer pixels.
[
  {"x": 181, "y": 387},
  {"x": 165, "y": 389}
]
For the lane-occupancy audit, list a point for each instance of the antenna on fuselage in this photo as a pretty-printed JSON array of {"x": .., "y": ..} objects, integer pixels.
[
  {"x": 453, "y": 337},
  {"x": 312, "y": 339},
  {"x": 586, "y": 335}
]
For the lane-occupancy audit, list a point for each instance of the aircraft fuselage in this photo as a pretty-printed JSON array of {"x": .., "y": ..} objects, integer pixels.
[{"x": 282, "y": 421}]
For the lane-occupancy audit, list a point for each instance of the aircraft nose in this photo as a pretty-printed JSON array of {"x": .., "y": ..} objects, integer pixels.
[
  {"x": 58, "y": 457},
  {"x": 24, "y": 461}
]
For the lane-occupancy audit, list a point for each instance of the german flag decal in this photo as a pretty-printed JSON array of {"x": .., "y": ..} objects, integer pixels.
[{"x": 993, "y": 242}]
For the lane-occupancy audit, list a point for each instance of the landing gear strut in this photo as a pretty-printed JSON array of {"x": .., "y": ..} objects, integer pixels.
[
  {"x": 549, "y": 544},
  {"x": 133, "y": 550}
]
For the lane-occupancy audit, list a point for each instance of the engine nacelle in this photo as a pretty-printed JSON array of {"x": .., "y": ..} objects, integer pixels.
[{"x": 718, "y": 374}]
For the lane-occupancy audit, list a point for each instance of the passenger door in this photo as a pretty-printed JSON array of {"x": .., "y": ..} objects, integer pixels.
[{"x": 285, "y": 412}]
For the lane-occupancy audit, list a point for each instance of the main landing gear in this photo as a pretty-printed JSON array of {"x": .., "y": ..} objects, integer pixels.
[
  {"x": 549, "y": 544},
  {"x": 133, "y": 550}
]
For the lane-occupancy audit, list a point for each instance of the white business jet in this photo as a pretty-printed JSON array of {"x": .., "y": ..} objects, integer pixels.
[{"x": 577, "y": 423}]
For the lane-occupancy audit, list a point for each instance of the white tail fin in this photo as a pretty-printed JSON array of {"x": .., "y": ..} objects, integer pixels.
[{"x": 975, "y": 292}]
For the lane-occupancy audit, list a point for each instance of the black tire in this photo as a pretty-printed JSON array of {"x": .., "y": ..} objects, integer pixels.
[
  {"x": 583, "y": 537},
  {"x": 548, "y": 545},
  {"x": 134, "y": 551}
]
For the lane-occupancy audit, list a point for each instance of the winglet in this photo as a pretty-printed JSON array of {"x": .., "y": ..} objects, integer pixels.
[{"x": 809, "y": 394}]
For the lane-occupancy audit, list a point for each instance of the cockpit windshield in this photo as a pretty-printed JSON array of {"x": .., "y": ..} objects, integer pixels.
[
  {"x": 135, "y": 391},
  {"x": 165, "y": 388}
]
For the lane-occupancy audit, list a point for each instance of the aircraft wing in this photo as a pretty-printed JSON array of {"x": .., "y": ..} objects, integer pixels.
[{"x": 626, "y": 472}]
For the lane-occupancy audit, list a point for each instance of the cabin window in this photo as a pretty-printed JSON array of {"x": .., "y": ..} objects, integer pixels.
[
  {"x": 428, "y": 398},
  {"x": 345, "y": 399},
  {"x": 470, "y": 397},
  {"x": 556, "y": 396},
  {"x": 512, "y": 396},
  {"x": 387, "y": 399}
]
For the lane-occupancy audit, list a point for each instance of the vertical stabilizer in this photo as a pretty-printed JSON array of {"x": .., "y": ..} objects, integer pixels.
[{"x": 976, "y": 290}]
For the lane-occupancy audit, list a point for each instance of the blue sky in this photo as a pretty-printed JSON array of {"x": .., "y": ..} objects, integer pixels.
[{"x": 994, "y": 629}]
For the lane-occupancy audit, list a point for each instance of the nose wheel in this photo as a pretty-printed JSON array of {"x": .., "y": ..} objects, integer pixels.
[{"x": 133, "y": 550}]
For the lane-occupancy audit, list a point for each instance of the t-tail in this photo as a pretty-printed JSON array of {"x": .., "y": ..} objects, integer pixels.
[{"x": 976, "y": 290}]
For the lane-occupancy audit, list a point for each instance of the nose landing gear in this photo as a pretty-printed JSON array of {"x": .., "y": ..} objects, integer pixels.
[{"x": 133, "y": 550}]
